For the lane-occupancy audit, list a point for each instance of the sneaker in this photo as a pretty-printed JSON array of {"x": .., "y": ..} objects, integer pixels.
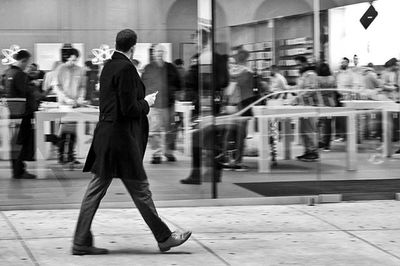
[
  {"x": 308, "y": 157},
  {"x": 191, "y": 181},
  {"x": 396, "y": 154},
  {"x": 339, "y": 140},
  {"x": 238, "y": 167},
  {"x": 323, "y": 146},
  {"x": 156, "y": 160},
  {"x": 25, "y": 175},
  {"x": 170, "y": 157}
]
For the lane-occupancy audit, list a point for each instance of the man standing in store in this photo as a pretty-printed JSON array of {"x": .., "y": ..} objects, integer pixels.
[
  {"x": 308, "y": 80},
  {"x": 118, "y": 148},
  {"x": 70, "y": 90},
  {"x": 162, "y": 77},
  {"x": 344, "y": 81},
  {"x": 390, "y": 87},
  {"x": 16, "y": 86}
]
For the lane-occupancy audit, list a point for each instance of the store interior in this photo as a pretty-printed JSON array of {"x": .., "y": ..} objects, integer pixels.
[{"x": 273, "y": 32}]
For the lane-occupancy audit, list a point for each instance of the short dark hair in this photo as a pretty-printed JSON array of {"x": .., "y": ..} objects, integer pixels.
[
  {"x": 301, "y": 59},
  {"x": 73, "y": 51},
  {"x": 178, "y": 62},
  {"x": 391, "y": 62},
  {"x": 346, "y": 59},
  {"x": 125, "y": 40},
  {"x": 21, "y": 55}
]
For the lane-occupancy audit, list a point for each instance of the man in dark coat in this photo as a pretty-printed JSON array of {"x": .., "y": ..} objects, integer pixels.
[
  {"x": 16, "y": 86},
  {"x": 118, "y": 148}
]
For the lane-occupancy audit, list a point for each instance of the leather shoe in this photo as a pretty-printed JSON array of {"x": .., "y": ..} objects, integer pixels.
[
  {"x": 176, "y": 239},
  {"x": 85, "y": 250},
  {"x": 25, "y": 175}
]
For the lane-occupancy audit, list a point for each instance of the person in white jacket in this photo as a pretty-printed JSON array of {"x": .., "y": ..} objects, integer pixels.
[{"x": 70, "y": 90}]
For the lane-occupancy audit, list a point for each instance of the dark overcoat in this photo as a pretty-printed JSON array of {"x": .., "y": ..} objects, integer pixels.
[{"x": 120, "y": 137}]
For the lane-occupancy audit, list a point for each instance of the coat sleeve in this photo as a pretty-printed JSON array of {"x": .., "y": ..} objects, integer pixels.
[{"x": 130, "y": 104}]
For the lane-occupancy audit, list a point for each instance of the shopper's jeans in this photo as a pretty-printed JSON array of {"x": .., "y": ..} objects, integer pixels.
[
  {"x": 308, "y": 133},
  {"x": 325, "y": 125},
  {"x": 162, "y": 120}
]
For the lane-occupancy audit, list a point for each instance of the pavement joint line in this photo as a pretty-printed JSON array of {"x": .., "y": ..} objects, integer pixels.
[
  {"x": 209, "y": 250},
  {"x": 349, "y": 233},
  {"x": 20, "y": 239},
  {"x": 225, "y": 233},
  {"x": 221, "y": 232}
]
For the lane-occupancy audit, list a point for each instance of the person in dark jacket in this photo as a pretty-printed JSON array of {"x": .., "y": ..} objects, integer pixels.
[
  {"x": 16, "y": 86},
  {"x": 118, "y": 148},
  {"x": 163, "y": 77},
  {"x": 208, "y": 138}
]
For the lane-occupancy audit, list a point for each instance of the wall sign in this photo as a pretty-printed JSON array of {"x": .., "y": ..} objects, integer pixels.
[
  {"x": 102, "y": 54},
  {"x": 9, "y": 53}
]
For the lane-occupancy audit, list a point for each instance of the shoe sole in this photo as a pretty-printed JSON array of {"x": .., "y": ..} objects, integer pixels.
[
  {"x": 83, "y": 253},
  {"x": 168, "y": 248}
]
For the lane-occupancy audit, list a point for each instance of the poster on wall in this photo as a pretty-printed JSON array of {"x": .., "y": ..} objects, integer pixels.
[{"x": 48, "y": 53}]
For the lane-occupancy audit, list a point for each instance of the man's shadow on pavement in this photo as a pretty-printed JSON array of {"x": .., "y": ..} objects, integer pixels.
[{"x": 135, "y": 251}]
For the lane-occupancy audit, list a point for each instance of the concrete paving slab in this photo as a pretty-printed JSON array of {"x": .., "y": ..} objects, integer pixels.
[
  {"x": 13, "y": 253},
  {"x": 295, "y": 248},
  {"x": 124, "y": 250},
  {"x": 358, "y": 215},
  {"x": 244, "y": 218},
  {"x": 6, "y": 231},
  {"x": 388, "y": 240},
  {"x": 37, "y": 224},
  {"x": 53, "y": 223}
]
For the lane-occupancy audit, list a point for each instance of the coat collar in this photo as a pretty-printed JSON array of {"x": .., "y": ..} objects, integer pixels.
[{"x": 120, "y": 55}]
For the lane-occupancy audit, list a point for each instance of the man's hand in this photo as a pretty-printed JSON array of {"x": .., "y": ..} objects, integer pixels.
[{"x": 151, "y": 98}]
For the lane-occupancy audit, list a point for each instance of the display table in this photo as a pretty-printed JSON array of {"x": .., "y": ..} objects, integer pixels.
[
  {"x": 386, "y": 108},
  {"x": 78, "y": 115},
  {"x": 266, "y": 113}
]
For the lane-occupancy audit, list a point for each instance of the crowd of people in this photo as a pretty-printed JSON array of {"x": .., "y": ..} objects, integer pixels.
[{"x": 237, "y": 86}]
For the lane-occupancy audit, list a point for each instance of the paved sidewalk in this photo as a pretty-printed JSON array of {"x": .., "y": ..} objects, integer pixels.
[{"x": 358, "y": 233}]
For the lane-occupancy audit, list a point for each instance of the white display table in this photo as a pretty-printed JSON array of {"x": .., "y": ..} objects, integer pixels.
[
  {"x": 386, "y": 108},
  {"x": 79, "y": 115},
  {"x": 265, "y": 113}
]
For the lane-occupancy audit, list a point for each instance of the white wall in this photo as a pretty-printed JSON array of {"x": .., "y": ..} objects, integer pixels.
[{"x": 377, "y": 44}]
